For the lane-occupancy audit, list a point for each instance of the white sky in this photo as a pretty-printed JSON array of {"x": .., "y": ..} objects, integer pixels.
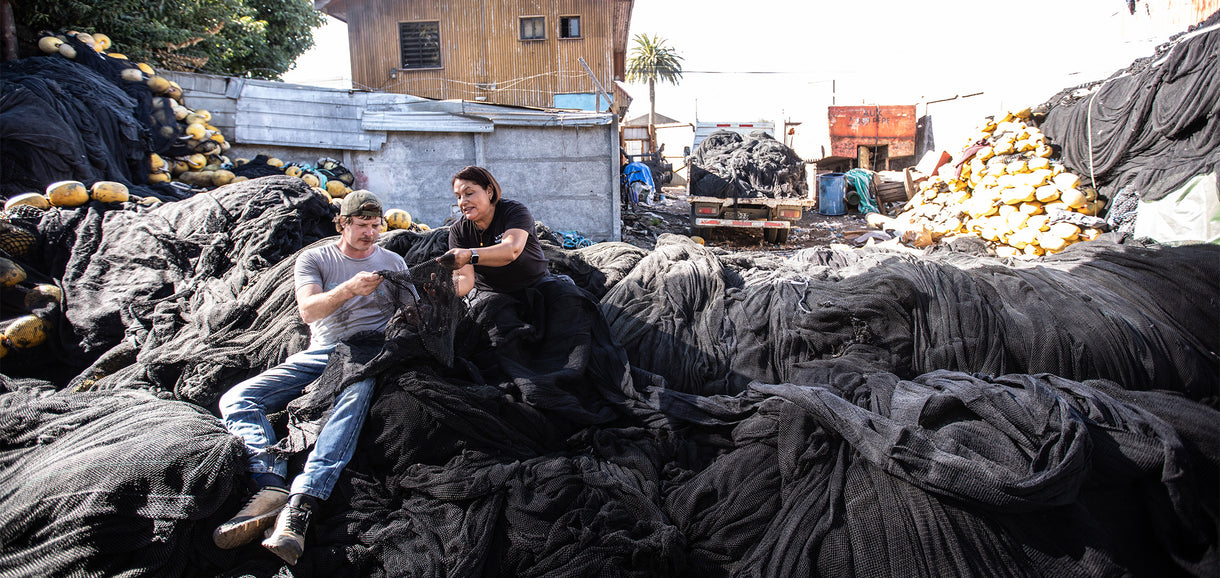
[{"x": 859, "y": 52}]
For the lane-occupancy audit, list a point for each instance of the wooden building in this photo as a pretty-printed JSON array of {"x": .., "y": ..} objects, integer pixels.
[{"x": 539, "y": 53}]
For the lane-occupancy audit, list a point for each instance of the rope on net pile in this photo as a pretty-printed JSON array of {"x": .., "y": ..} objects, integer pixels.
[{"x": 573, "y": 239}]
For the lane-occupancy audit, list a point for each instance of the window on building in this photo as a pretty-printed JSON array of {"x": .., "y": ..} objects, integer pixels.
[
  {"x": 421, "y": 44},
  {"x": 569, "y": 26},
  {"x": 533, "y": 27}
]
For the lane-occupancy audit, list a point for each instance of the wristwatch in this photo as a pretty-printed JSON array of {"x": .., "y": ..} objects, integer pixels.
[{"x": 474, "y": 257}]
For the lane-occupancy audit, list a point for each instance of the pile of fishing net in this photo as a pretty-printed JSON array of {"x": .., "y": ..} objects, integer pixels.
[{"x": 729, "y": 165}]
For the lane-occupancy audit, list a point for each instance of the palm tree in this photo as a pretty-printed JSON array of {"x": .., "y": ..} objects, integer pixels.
[{"x": 651, "y": 60}]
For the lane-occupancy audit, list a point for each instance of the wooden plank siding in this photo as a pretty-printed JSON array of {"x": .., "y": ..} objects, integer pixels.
[{"x": 482, "y": 56}]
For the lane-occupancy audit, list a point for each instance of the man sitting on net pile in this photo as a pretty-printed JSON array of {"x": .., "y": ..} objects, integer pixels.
[{"x": 339, "y": 294}]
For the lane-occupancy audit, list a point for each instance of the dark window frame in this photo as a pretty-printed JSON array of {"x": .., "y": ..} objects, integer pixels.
[
  {"x": 539, "y": 27},
  {"x": 420, "y": 56},
  {"x": 563, "y": 27}
]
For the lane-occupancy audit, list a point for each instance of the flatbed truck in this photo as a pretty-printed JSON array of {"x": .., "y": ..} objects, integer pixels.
[{"x": 773, "y": 216}]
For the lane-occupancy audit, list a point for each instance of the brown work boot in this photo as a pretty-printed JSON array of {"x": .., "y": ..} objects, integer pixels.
[
  {"x": 288, "y": 539},
  {"x": 256, "y": 516}
]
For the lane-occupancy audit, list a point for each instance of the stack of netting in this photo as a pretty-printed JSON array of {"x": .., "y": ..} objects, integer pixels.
[
  {"x": 1145, "y": 131},
  {"x": 728, "y": 165}
]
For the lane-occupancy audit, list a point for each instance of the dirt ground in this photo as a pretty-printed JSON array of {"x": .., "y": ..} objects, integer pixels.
[{"x": 642, "y": 226}]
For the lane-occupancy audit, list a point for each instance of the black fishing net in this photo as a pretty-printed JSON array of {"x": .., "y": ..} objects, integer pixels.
[
  {"x": 1091, "y": 312},
  {"x": 131, "y": 277},
  {"x": 1148, "y": 129},
  {"x": 78, "y": 120},
  {"x": 728, "y": 165},
  {"x": 111, "y": 484},
  {"x": 257, "y": 167}
]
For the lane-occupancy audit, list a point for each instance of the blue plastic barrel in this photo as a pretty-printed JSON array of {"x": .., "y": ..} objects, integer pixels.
[{"x": 831, "y": 189}]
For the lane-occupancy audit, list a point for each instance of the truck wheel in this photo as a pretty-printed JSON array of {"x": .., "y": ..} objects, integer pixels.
[{"x": 778, "y": 236}]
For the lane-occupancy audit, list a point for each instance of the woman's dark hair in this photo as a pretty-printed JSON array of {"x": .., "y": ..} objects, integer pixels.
[{"x": 482, "y": 177}]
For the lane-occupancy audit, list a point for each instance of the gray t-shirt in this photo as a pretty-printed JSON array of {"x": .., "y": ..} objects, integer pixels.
[{"x": 327, "y": 267}]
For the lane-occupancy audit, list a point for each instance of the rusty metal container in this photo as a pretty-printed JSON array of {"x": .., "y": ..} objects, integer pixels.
[{"x": 872, "y": 125}]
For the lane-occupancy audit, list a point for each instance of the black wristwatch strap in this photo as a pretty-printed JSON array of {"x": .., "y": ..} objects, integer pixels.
[{"x": 474, "y": 256}]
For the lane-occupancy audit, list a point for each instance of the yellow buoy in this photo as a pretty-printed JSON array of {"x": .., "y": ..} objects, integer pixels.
[
  {"x": 26, "y": 332},
  {"x": 398, "y": 219},
  {"x": 49, "y": 44},
  {"x": 195, "y": 130},
  {"x": 43, "y": 293},
  {"x": 67, "y": 194},
  {"x": 132, "y": 75},
  {"x": 101, "y": 42},
  {"x": 336, "y": 188},
  {"x": 109, "y": 192},
  {"x": 36, "y": 200},
  {"x": 15, "y": 240},
  {"x": 158, "y": 84},
  {"x": 222, "y": 177},
  {"x": 10, "y": 273}
]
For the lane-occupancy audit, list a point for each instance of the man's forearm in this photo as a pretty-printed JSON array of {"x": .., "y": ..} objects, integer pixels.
[{"x": 319, "y": 305}]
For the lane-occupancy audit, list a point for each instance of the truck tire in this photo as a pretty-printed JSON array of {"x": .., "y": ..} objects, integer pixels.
[{"x": 777, "y": 236}]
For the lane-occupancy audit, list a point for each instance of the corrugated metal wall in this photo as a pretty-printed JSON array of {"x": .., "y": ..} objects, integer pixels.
[{"x": 481, "y": 53}]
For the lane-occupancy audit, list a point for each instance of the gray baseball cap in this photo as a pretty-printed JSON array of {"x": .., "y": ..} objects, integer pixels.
[{"x": 360, "y": 203}]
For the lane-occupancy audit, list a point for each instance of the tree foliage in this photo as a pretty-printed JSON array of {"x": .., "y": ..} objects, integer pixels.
[
  {"x": 651, "y": 61},
  {"x": 250, "y": 38}
]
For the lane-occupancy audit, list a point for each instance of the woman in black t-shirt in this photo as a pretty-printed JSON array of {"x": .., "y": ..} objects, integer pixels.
[{"x": 493, "y": 246}]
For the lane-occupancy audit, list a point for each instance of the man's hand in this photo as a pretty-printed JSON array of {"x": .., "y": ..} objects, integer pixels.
[
  {"x": 364, "y": 283},
  {"x": 315, "y": 304}
]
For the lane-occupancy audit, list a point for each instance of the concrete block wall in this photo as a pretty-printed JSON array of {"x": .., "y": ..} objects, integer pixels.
[
  {"x": 566, "y": 172},
  {"x": 563, "y": 174}
]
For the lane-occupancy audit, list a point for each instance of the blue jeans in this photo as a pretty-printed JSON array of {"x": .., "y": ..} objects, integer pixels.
[{"x": 245, "y": 408}]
